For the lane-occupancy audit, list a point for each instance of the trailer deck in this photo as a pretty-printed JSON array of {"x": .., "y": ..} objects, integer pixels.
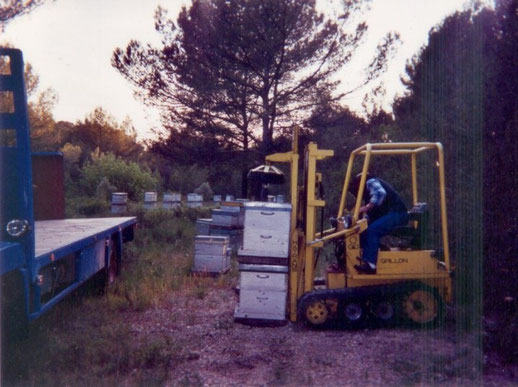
[{"x": 65, "y": 236}]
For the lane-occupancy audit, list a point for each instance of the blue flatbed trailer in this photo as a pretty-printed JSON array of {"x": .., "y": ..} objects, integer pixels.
[{"x": 41, "y": 262}]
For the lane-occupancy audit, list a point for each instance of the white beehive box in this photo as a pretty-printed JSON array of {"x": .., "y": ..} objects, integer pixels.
[
  {"x": 172, "y": 197},
  {"x": 150, "y": 200},
  {"x": 203, "y": 226},
  {"x": 193, "y": 197},
  {"x": 119, "y": 202},
  {"x": 211, "y": 254},
  {"x": 236, "y": 206},
  {"x": 263, "y": 292},
  {"x": 266, "y": 229}
]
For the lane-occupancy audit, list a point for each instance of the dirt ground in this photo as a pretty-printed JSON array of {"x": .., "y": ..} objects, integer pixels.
[{"x": 213, "y": 350}]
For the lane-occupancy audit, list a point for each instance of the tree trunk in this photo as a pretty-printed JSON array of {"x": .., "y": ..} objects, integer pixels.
[{"x": 267, "y": 132}]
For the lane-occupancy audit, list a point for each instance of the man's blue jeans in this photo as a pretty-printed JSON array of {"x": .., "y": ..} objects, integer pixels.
[{"x": 370, "y": 239}]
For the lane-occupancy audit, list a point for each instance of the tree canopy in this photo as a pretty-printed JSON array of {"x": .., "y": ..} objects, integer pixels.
[
  {"x": 233, "y": 72},
  {"x": 9, "y": 9}
]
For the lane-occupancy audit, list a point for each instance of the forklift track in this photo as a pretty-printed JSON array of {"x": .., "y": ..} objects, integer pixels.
[{"x": 410, "y": 303}]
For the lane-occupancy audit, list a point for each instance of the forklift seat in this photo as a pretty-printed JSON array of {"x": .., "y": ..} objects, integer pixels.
[{"x": 410, "y": 236}]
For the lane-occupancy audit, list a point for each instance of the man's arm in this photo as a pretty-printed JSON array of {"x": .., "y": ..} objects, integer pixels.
[{"x": 377, "y": 193}]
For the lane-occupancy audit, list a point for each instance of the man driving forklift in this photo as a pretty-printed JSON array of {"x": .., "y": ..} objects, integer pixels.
[{"x": 385, "y": 211}]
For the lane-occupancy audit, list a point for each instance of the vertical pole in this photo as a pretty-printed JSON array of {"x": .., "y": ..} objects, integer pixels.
[
  {"x": 362, "y": 182},
  {"x": 295, "y": 259},
  {"x": 414, "y": 179},
  {"x": 310, "y": 217},
  {"x": 444, "y": 220},
  {"x": 346, "y": 185}
]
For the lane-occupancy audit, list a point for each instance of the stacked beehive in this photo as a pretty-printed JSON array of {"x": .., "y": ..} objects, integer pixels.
[
  {"x": 211, "y": 254},
  {"x": 150, "y": 200},
  {"x": 228, "y": 221},
  {"x": 263, "y": 262},
  {"x": 119, "y": 202},
  {"x": 224, "y": 228}
]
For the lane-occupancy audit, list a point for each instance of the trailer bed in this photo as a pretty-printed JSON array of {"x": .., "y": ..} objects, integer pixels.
[{"x": 65, "y": 236}]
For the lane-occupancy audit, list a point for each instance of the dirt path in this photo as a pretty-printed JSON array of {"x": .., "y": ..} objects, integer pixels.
[{"x": 212, "y": 350}]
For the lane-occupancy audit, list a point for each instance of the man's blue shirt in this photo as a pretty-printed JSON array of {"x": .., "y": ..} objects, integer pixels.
[{"x": 376, "y": 191}]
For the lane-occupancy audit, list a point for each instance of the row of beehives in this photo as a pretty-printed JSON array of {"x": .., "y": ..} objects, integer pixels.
[
  {"x": 263, "y": 257},
  {"x": 169, "y": 200}
]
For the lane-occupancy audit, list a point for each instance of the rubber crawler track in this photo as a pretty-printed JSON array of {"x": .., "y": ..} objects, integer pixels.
[{"x": 341, "y": 303}]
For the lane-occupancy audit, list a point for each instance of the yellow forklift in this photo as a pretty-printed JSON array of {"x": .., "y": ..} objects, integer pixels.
[{"x": 411, "y": 284}]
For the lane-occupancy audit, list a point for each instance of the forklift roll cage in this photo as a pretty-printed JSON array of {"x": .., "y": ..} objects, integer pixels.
[{"x": 412, "y": 149}]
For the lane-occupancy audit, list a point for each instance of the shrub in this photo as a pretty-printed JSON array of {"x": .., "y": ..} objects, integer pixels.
[
  {"x": 124, "y": 176},
  {"x": 92, "y": 206},
  {"x": 104, "y": 189},
  {"x": 205, "y": 190}
]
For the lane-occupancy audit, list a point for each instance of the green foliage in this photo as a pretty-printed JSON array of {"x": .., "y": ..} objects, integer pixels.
[
  {"x": 99, "y": 130},
  {"x": 90, "y": 206},
  {"x": 462, "y": 92},
  {"x": 446, "y": 104},
  {"x": 186, "y": 179},
  {"x": 124, "y": 176},
  {"x": 104, "y": 189}
]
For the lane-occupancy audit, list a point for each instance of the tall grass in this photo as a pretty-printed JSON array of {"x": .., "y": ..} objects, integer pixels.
[{"x": 87, "y": 339}]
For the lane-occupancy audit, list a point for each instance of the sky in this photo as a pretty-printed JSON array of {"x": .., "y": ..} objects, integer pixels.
[{"x": 70, "y": 43}]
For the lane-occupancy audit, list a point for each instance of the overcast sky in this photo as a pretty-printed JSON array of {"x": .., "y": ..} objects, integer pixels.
[{"x": 70, "y": 43}]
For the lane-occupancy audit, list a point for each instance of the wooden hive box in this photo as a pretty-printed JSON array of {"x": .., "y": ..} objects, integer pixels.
[
  {"x": 211, "y": 254},
  {"x": 266, "y": 229},
  {"x": 263, "y": 292},
  {"x": 222, "y": 217},
  {"x": 203, "y": 226}
]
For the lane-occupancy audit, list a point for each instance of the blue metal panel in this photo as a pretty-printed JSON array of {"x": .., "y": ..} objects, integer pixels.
[
  {"x": 7, "y": 120},
  {"x": 11, "y": 257},
  {"x": 90, "y": 260},
  {"x": 8, "y": 83},
  {"x": 16, "y": 171},
  {"x": 46, "y": 306}
]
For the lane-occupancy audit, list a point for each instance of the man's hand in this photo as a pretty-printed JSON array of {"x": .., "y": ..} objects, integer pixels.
[{"x": 366, "y": 208}]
